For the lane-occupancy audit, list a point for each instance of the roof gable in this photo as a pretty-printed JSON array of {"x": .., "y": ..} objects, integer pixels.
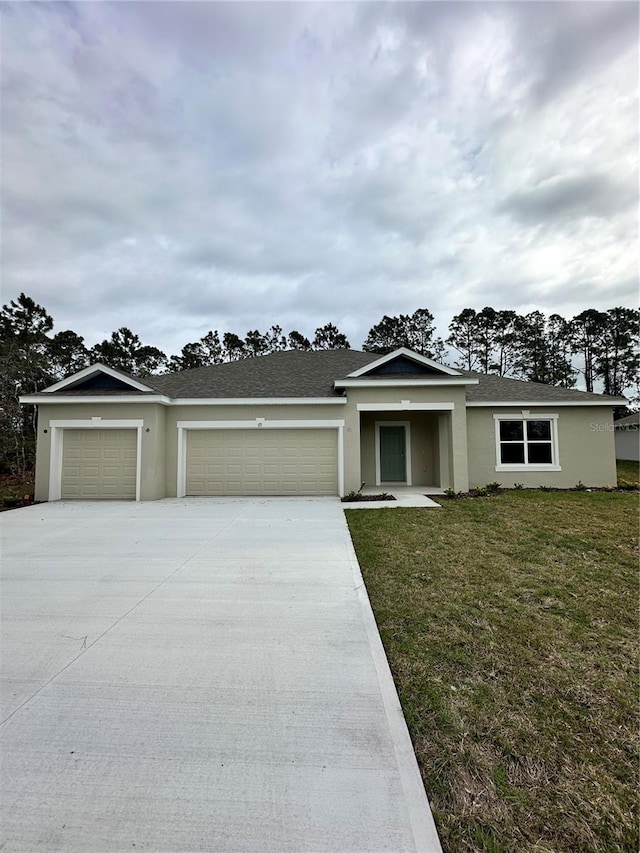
[
  {"x": 297, "y": 375},
  {"x": 404, "y": 362},
  {"x": 99, "y": 377}
]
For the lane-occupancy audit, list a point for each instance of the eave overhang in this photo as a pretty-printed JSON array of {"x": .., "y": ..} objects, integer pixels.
[
  {"x": 547, "y": 404},
  {"x": 66, "y": 399},
  {"x": 55, "y": 399},
  {"x": 405, "y": 383}
]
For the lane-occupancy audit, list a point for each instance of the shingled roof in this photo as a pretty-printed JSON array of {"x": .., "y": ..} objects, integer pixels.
[
  {"x": 494, "y": 389},
  {"x": 295, "y": 373}
]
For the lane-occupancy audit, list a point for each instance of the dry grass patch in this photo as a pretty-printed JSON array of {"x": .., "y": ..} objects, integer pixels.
[
  {"x": 628, "y": 472},
  {"x": 511, "y": 627}
]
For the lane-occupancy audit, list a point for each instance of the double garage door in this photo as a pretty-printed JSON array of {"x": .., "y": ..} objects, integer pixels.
[
  {"x": 99, "y": 464},
  {"x": 262, "y": 462}
]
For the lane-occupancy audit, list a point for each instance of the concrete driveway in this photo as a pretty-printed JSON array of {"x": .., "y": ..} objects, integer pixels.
[{"x": 199, "y": 674}]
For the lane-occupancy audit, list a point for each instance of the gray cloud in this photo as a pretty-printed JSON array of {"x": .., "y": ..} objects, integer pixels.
[
  {"x": 571, "y": 197},
  {"x": 176, "y": 167},
  {"x": 578, "y": 42}
]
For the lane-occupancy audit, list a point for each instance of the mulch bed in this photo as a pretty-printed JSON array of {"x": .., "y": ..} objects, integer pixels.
[{"x": 365, "y": 498}]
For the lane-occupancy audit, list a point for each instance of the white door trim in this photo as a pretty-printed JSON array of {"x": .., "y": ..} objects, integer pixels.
[
  {"x": 407, "y": 444},
  {"x": 257, "y": 423},
  {"x": 58, "y": 427}
]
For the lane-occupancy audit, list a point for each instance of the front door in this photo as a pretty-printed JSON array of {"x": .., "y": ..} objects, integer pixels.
[{"x": 393, "y": 446}]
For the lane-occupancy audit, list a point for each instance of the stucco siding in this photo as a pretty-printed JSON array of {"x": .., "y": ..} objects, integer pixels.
[
  {"x": 153, "y": 453},
  {"x": 585, "y": 448},
  {"x": 449, "y": 446},
  {"x": 447, "y": 469},
  {"x": 628, "y": 443}
]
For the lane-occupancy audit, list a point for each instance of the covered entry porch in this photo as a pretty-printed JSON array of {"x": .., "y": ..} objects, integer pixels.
[{"x": 406, "y": 450}]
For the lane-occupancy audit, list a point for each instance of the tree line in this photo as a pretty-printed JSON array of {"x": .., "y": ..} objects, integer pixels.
[{"x": 593, "y": 348}]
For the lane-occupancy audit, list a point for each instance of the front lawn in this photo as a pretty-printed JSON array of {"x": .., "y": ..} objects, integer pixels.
[
  {"x": 628, "y": 471},
  {"x": 511, "y": 628}
]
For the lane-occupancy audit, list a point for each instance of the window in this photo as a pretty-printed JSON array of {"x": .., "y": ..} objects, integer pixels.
[{"x": 526, "y": 441}]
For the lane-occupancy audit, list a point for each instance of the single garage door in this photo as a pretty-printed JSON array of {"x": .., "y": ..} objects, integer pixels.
[
  {"x": 99, "y": 464},
  {"x": 262, "y": 462}
]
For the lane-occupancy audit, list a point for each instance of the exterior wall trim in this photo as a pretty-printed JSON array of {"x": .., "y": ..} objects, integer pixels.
[
  {"x": 257, "y": 423},
  {"x": 405, "y": 406},
  {"x": 57, "y": 428},
  {"x": 78, "y": 399},
  {"x": 258, "y": 401},
  {"x": 404, "y": 383},
  {"x": 555, "y": 403},
  {"x": 45, "y": 397},
  {"x": 407, "y": 441}
]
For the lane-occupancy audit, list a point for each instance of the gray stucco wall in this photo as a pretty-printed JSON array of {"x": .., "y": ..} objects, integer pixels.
[
  {"x": 628, "y": 443},
  {"x": 585, "y": 447},
  {"x": 438, "y": 439},
  {"x": 153, "y": 451},
  {"x": 449, "y": 448},
  {"x": 452, "y": 443},
  {"x": 425, "y": 462}
]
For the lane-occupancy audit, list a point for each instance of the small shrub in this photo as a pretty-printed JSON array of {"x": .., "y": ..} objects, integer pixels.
[
  {"x": 518, "y": 485},
  {"x": 481, "y": 491},
  {"x": 493, "y": 488},
  {"x": 579, "y": 487},
  {"x": 450, "y": 493},
  {"x": 358, "y": 496}
]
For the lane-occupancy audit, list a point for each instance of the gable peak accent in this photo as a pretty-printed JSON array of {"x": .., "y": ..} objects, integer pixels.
[
  {"x": 98, "y": 376},
  {"x": 404, "y": 361}
]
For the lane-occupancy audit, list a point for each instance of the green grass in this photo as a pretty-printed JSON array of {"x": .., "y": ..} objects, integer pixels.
[
  {"x": 628, "y": 472},
  {"x": 511, "y": 628}
]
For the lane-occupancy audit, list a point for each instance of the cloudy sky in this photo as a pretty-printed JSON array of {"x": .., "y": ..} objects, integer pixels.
[{"x": 176, "y": 166}]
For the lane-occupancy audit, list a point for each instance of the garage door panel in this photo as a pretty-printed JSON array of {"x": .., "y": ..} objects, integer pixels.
[
  {"x": 262, "y": 462},
  {"x": 99, "y": 464}
]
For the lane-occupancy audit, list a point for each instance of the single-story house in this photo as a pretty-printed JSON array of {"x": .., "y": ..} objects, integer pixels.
[
  {"x": 314, "y": 423},
  {"x": 627, "y": 437}
]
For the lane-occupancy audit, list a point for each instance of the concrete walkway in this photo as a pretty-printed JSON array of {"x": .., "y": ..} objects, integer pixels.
[
  {"x": 199, "y": 674},
  {"x": 405, "y": 496}
]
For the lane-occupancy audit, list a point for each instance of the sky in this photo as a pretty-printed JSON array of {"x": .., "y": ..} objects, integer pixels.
[{"x": 177, "y": 167}]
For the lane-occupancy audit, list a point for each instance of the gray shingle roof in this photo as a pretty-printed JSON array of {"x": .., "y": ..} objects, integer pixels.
[
  {"x": 282, "y": 374},
  {"x": 312, "y": 374},
  {"x": 492, "y": 389}
]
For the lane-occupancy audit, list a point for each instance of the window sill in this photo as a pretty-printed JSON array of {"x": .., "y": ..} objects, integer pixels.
[{"x": 528, "y": 468}]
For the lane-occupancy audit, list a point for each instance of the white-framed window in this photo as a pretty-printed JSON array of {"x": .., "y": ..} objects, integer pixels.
[{"x": 527, "y": 442}]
